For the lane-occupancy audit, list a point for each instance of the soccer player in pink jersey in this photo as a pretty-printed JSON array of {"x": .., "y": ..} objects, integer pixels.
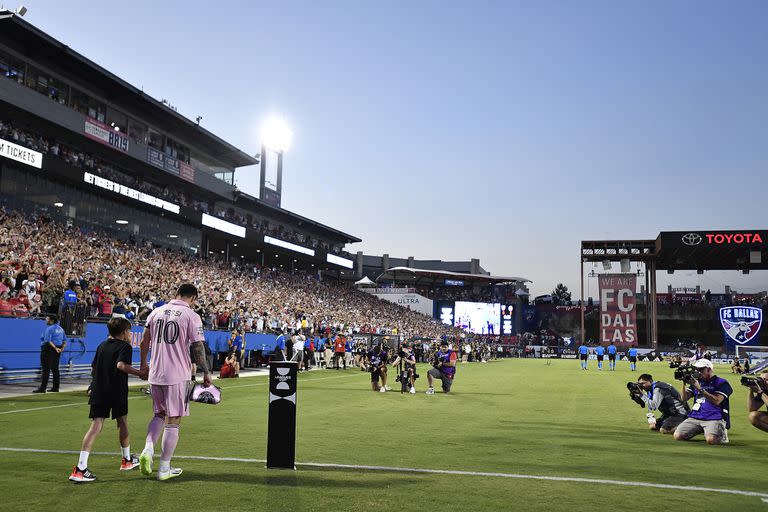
[{"x": 170, "y": 332}]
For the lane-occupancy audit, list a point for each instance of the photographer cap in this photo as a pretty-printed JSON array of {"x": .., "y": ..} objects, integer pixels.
[{"x": 703, "y": 363}]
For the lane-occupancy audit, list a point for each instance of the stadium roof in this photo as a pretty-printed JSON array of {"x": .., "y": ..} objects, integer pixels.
[
  {"x": 295, "y": 217},
  {"x": 688, "y": 250},
  {"x": 417, "y": 276},
  {"x": 36, "y": 44}
]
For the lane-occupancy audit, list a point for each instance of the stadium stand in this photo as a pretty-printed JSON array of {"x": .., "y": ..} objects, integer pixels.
[{"x": 116, "y": 276}]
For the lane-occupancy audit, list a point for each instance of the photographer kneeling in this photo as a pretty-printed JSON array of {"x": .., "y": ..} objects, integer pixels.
[
  {"x": 662, "y": 397},
  {"x": 444, "y": 368},
  {"x": 407, "y": 374},
  {"x": 758, "y": 396},
  {"x": 376, "y": 360},
  {"x": 709, "y": 413}
]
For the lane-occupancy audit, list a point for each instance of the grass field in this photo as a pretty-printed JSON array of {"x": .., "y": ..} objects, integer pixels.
[{"x": 517, "y": 417}]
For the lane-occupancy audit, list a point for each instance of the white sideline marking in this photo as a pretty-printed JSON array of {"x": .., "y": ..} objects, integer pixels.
[
  {"x": 518, "y": 476},
  {"x": 136, "y": 397},
  {"x": 55, "y": 406}
]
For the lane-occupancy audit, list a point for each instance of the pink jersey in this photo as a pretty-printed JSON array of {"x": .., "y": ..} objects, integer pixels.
[{"x": 174, "y": 327}]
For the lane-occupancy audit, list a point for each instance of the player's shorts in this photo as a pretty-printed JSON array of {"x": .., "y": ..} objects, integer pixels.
[
  {"x": 375, "y": 374},
  {"x": 171, "y": 400},
  {"x": 599, "y": 358},
  {"x": 692, "y": 427},
  {"x": 584, "y": 357},
  {"x": 447, "y": 381},
  {"x": 632, "y": 359},
  {"x": 670, "y": 422},
  {"x": 119, "y": 408},
  {"x": 611, "y": 357}
]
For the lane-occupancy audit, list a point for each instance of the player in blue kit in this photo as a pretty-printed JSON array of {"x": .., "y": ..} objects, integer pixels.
[
  {"x": 612, "y": 357},
  {"x": 584, "y": 356},
  {"x": 632, "y": 355},
  {"x": 600, "y": 353}
]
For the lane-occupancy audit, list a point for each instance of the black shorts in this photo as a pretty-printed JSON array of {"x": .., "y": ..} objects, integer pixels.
[
  {"x": 118, "y": 409},
  {"x": 669, "y": 423},
  {"x": 611, "y": 357},
  {"x": 584, "y": 357},
  {"x": 599, "y": 358},
  {"x": 632, "y": 359},
  {"x": 375, "y": 374}
]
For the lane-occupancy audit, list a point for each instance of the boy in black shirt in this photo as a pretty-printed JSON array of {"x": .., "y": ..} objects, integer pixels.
[{"x": 109, "y": 392}]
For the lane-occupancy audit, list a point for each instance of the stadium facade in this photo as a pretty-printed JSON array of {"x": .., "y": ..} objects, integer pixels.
[
  {"x": 83, "y": 145},
  {"x": 373, "y": 266}
]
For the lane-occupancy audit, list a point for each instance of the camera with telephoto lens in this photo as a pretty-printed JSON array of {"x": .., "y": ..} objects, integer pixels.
[
  {"x": 754, "y": 382},
  {"x": 636, "y": 393},
  {"x": 403, "y": 376},
  {"x": 687, "y": 373}
]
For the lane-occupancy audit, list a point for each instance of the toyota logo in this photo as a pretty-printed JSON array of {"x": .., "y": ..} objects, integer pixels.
[{"x": 692, "y": 239}]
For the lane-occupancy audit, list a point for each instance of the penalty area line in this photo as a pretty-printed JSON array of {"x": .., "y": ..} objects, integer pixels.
[{"x": 453, "y": 472}]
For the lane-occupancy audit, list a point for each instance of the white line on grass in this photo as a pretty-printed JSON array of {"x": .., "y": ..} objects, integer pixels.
[
  {"x": 389, "y": 469},
  {"x": 136, "y": 397}
]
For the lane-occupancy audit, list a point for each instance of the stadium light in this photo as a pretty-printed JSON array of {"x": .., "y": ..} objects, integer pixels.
[
  {"x": 21, "y": 11},
  {"x": 275, "y": 134},
  {"x": 58, "y": 205},
  {"x": 121, "y": 222},
  {"x": 173, "y": 236}
]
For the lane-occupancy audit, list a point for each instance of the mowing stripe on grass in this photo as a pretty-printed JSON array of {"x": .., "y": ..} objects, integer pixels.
[
  {"x": 455, "y": 472},
  {"x": 135, "y": 397}
]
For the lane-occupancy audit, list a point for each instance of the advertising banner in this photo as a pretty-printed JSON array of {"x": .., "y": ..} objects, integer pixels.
[
  {"x": 21, "y": 343},
  {"x": 21, "y": 154},
  {"x": 186, "y": 172},
  {"x": 106, "y": 135},
  {"x": 156, "y": 158},
  {"x": 412, "y": 301},
  {"x": 618, "y": 308}
]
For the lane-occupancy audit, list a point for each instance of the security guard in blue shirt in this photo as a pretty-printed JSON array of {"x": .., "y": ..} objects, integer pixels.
[{"x": 53, "y": 341}]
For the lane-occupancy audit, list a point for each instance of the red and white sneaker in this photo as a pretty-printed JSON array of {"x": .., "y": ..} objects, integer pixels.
[
  {"x": 81, "y": 475},
  {"x": 129, "y": 464}
]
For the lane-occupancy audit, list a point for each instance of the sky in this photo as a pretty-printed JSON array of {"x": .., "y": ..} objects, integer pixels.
[{"x": 501, "y": 130}]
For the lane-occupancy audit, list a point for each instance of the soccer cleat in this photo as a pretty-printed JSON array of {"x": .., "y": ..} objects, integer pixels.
[
  {"x": 431, "y": 391},
  {"x": 81, "y": 475},
  {"x": 388, "y": 388},
  {"x": 129, "y": 463},
  {"x": 382, "y": 390},
  {"x": 167, "y": 475},
  {"x": 38, "y": 390},
  {"x": 412, "y": 391},
  {"x": 145, "y": 463}
]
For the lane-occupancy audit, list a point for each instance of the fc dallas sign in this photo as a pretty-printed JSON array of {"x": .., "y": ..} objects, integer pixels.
[{"x": 618, "y": 308}]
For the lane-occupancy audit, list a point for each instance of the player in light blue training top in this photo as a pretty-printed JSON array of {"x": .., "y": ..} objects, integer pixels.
[
  {"x": 632, "y": 354},
  {"x": 583, "y": 355},
  {"x": 612, "y": 357},
  {"x": 600, "y": 353}
]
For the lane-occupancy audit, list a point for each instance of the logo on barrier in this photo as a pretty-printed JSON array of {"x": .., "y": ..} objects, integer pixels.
[
  {"x": 692, "y": 239},
  {"x": 290, "y": 398},
  {"x": 741, "y": 323},
  {"x": 283, "y": 378}
]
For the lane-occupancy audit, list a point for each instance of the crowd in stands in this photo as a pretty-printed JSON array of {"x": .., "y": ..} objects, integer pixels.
[
  {"x": 90, "y": 163},
  {"x": 41, "y": 259}
]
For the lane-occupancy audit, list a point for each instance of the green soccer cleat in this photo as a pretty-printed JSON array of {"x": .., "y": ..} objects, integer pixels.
[
  {"x": 145, "y": 463},
  {"x": 167, "y": 475}
]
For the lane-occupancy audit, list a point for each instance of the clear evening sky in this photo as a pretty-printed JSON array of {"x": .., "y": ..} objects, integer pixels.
[{"x": 507, "y": 131}]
